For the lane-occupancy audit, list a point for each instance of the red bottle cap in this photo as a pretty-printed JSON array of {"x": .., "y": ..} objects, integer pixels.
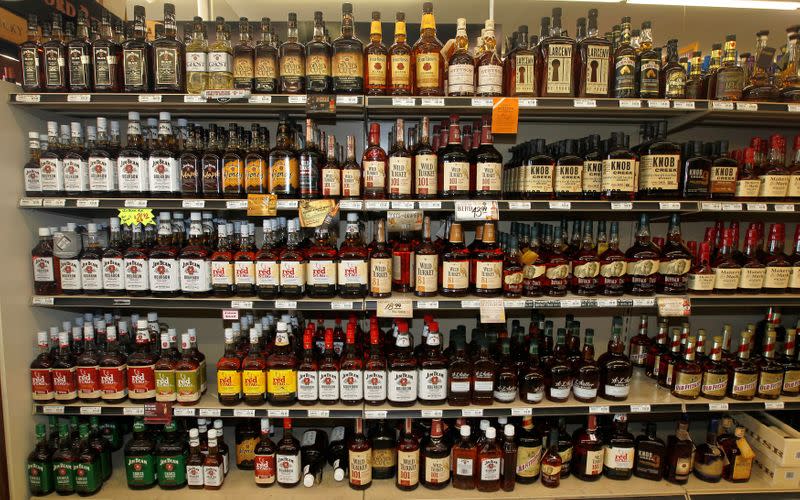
[
  {"x": 756, "y": 143},
  {"x": 402, "y": 327},
  {"x": 351, "y": 334},
  {"x": 307, "y": 341},
  {"x": 433, "y": 326},
  {"x": 287, "y": 423},
  {"x": 374, "y": 335},
  {"x": 328, "y": 338}
]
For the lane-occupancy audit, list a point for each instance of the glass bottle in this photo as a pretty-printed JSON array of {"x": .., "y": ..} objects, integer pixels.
[
  {"x": 715, "y": 373},
  {"x": 266, "y": 61},
  {"x": 643, "y": 261},
  {"x": 727, "y": 272},
  {"x": 244, "y": 57},
  {"x": 135, "y": 61},
  {"x": 619, "y": 170},
  {"x": 331, "y": 175},
  {"x": 742, "y": 372},
  {"x": 695, "y": 84},
  {"x": 141, "y": 374},
  {"x": 615, "y": 369},
  {"x": 688, "y": 373},
  {"x": 287, "y": 457},
  {"x": 770, "y": 371},
  {"x": 558, "y": 57},
  {"x": 729, "y": 78},
  {"x": 596, "y": 62},
  {"x": 30, "y": 55},
  {"x": 465, "y": 460},
  {"x": 680, "y": 454},
  {"x": 229, "y": 373},
  {"x": 427, "y": 54},
  {"x": 625, "y": 63},
  {"x": 293, "y": 264},
  {"x": 171, "y": 454},
  {"x": 213, "y": 464},
  {"x": 673, "y": 74},
  {"x": 359, "y": 453},
  {"x": 461, "y": 67},
  {"x": 454, "y": 165},
  {"x": 724, "y": 174},
  {"x": 660, "y": 171},
  {"x": 140, "y": 463},
  {"x": 78, "y": 58},
  {"x": 351, "y": 172},
  {"x": 264, "y": 457},
  {"x": 620, "y": 450},
  {"x": 760, "y": 84},
  {"x": 348, "y": 57},
  {"x": 650, "y": 456},
  {"x": 588, "y": 452},
  {"x": 408, "y": 458},
  {"x": 489, "y": 67},
  {"x": 197, "y": 58},
  {"x": 39, "y": 466},
  {"x": 164, "y": 370},
  {"x": 489, "y": 463},
  {"x": 399, "y": 171},
  {"x": 64, "y": 460},
  {"x": 435, "y": 459},
  {"x": 400, "y": 70},
  {"x": 168, "y": 55},
  {"x": 375, "y": 59},
  {"x": 773, "y": 174},
  {"x": 587, "y": 373},
  {"x": 402, "y": 382},
  {"x": 648, "y": 64},
  {"x": 318, "y": 59},
  {"x": 374, "y": 162},
  {"x": 220, "y": 59}
]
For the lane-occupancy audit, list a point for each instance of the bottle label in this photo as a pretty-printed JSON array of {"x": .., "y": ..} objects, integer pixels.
[
  {"x": 644, "y": 267},
  {"x": 402, "y": 385},
  {"x": 675, "y": 273},
  {"x": 598, "y": 59},
  {"x": 649, "y": 70},
  {"x": 465, "y": 467},
  {"x": 101, "y": 174},
  {"x": 280, "y": 382},
  {"x": 594, "y": 462},
  {"x": 140, "y": 470},
  {"x": 726, "y": 279},
  {"x": 244, "y": 272},
  {"x": 243, "y": 69},
  {"x": 267, "y": 273},
  {"x": 222, "y": 273},
  {"x": 380, "y": 275},
  {"x": 793, "y": 191},
  {"x": 376, "y": 69},
  {"x": 254, "y": 382},
  {"x": 374, "y": 385},
  {"x": 659, "y": 172},
  {"x": 51, "y": 173},
  {"x": 283, "y": 175},
  {"x": 587, "y": 270},
  {"x": 794, "y": 277},
  {"x": 748, "y": 188},
  {"x": 132, "y": 174},
  {"x": 437, "y": 470},
  {"x": 293, "y": 273},
  {"x": 220, "y": 62},
  {"x": 769, "y": 384},
  {"x": 166, "y": 385},
  {"x": 43, "y": 269},
  {"x": 194, "y": 475},
  {"x": 455, "y": 275},
  {"x": 288, "y": 468},
  {"x": 687, "y": 384},
  {"x": 351, "y": 182},
  {"x": 213, "y": 475},
  {"x": 163, "y": 174},
  {"x": 400, "y": 175},
  {"x": 348, "y": 65},
  {"x": 76, "y": 175},
  {"x": 187, "y": 384},
  {"x": 92, "y": 274},
  {"x": 701, "y": 281},
  {"x": 352, "y": 385},
  {"x": 618, "y": 459},
  {"x": 777, "y": 277},
  {"x": 307, "y": 386},
  {"x": 331, "y": 183},
  {"x": 232, "y": 175},
  {"x": 773, "y": 186},
  {"x": 539, "y": 178},
  {"x": 64, "y": 383},
  {"x": 489, "y": 176},
  {"x": 619, "y": 388},
  {"x": 551, "y": 471},
  {"x": 675, "y": 85},
  {"x": 321, "y": 272},
  {"x": 560, "y": 391},
  {"x": 723, "y": 179},
  {"x": 318, "y": 66},
  {"x": 195, "y": 275},
  {"x": 461, "y": 79},
  {"x": 42, "y": 384},
  {"x": 33, "y": 180},
  {"x": 30, "y": 67},
  {"x": 70, "y": 274},
  {"x": 638, "y": 354},
  {"x": 428, "y": 70},
  {"x": 488, "y": 275},
  {"x": 490, "y": 469},
  {"x": 426, "y": 272},
  {"x": 524, "y": 79},
  {"x": 744, "y": 384},
  {"x": 64, "y": 473},
  {"x": 557, "y": 272},
  {"x": 134, "y": 61},
  {"x": 407, "y": 467},
  {"x": 568, "y": 178},
  {"x": 255, "y": 175},
  {"x": 88, "y": 380},
  {"x": 328, "y": 385},
  {"x": 171, "y": 470},
  {"x": 459, "y": 383},
  {"x": 40, "y": 476},
  {"x": 352, "y": 272},
  {"x": 136, "y": 275},
  {"x": 432, "y": 384},
  {"x": 265, "y": 73},
  {"x": 490, "y": 79},
  {"x": 619, "y": 175},
  {"x": 164, "y": 275},
  {"x": 529, "y": 459},
  {"x": 791, "y": 381},
  {"x": 196, "y": 62},
  {"x": 141, "y": 382},
  {"x": 625, "y": 74},
  {"x": 584, "y": 390},
  {"x": 752, "y": 278},
  {"x": 166, "y": 70},
  {"x": 374, "y": 174},
  {"x": 559, "y": 69},
  {"x": 264, "y": 466},
  {"x": 400, "y": 70},
  {"x": 714, "y": 384},
  {"x": 426, "y": 174}
]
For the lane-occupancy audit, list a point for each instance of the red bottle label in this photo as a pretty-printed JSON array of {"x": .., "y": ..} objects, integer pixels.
[
  {"x": 41, "y": 384},
  {"x": 265, "y": 469},
  {"x": 141, "y": 382},
  {"x": 112, "y": 382},
  {"x": 88, "y": 381},
  {"x": 64, "y": 382}
]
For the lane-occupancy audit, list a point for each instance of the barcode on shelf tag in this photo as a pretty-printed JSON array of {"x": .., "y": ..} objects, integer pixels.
[
  {"x": 230, "y": 314},
  {"x": 241, "y": 304},
  {"x": 570, "y": 303},
  {"x": 286, "y": 204},
  {"x": 630, "y": 103},
  {"x": 773, "y": 405},
  {"x": 492, "y": 311},
  {"x": 640, "y": 408},
  {"x": 319, "y": 413},
  {"x": 43, "y": 301},
  {"x": 792, "y": 108},
  {"x": 244, "y": 413},
  {"x": 149, "y": 97},
  {"x": 731, "y": 207},
  {"x": 341, "y": 305},
  {"x": 135, "y": 203},
  {"x": 683, "y": 104},
  {"x": 429, "y": 205},
  {"x": 607, "y": 302},
  {"x": 647, "y": 302},
  {"x": 519, "y": 205},
  {"x": 236, "y": 205},
  {"x": 472, "y": 412},
  {"x": 376, "y": 205},
  {"x": 599, "y": 409},
  {"x": 375, "y": 413},
  {"x": 402, "y": 205},
  {"x": 54, "y": 202},
  {"x": 133, "y": 411},
  {"x": 346, "y": 99},
  {"x": 711, "y": 206},
  {"x": 476, "y": 210},
  {"x": 514, "y": 303},
  {"x": 350, "y": 205},
  {"x": 521, "y": 412},
  {"x": 427, "y": 304},
  {"x": 621, "y": 205},
  {"x": 28, "y": 98},
  {"x": 260, "y": 99},
  {"x": 431, "y": 413},
  {"x": 669, "y": 205},
  {"x": 285, "y": 304},
  {"x": 183, "y": 412},
  {"x": 757, "y": 207},
  {"x": 527, "y": 102},
  {"x": 584, "y": 103},
  {"x": 722, "y": 105},
  {"x": 482, "y": 102},
  {"x": 657, "y": 103},
  {"x": 193, "y": 98},
  {"x": 433, "y": 101},
  {"x": 674, "y": 306},
  {"x": 403, "y": 101},
  {"x": 210, "y": 412},
  {"x": 559, "y": 205},
  {"x": 717, "y": 406},
  {"x": 53, "y": 409},
  {"x": 79, "y": 98},
  {"x": 470, "y": 304},
  {"x": 91, "y": 410},
  {"x": 747, "y": 106},
  {"x": 395, "y": 308},
  {"x": 30, "y": 202},
  {"x": 193, "y": 203},
  {"x": 87, "y": 203},
  {"x": 278, "y": 413},
  {"x": 297, "y": 99},
  {"x": 784, "y": 207}
]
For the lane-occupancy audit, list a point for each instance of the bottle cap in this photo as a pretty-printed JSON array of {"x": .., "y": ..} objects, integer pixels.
[
  {"x": 465, "y": 431},
  {"x": 44, "y": 231},
  {"x": 164, "y": 116},
  {"x": 491, "y": 433},
  {"x": 508, "y": 430}
]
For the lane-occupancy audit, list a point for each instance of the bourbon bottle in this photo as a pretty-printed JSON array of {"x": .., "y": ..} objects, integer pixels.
[
  {"x": 743, "y": 373},
  {"x": 348, "y": 57},
  {"x": 427, "y": 52},
  {"x": 375, "y": 59},
  {"x": 770, "y": 372},
  {"x": 461, "y": 67},
  {"x": 558, "y": 57},
  {"x": 374, "y": 162},
  {"x": 400, "y": 70},
  {"x": 435, "y": 461}
]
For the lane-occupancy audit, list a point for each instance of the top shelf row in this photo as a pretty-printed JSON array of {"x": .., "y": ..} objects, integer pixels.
[{"x": 686, "y": 112}]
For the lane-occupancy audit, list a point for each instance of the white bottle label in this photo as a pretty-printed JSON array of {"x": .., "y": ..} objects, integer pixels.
[
  {"x": 288, "y": 468},
  {"x": 432, "y": 384},
  {"x": 163, "y": 175},
  {"x": 620, "y": 391},
  {"x": 267, "y": 273},
  {"x": 92, "y": 274},
  {"x": 164, "y": 275},
  {"x": 293, "y": 273},
  {"x": 195, "y": 275},
  {"x": 33, "y": 179},
  {"x": 132, "y": 174},
  {"x": 51, "y": 174},
  {"x": 321, "y": 272},
  {"x": 375, "y": 385},
  {"x": 101, "y": 174},
  {"x": 114, "y": 273},
  {"x": 352, "y": 272},
  {"x": 328, "y": 385},
  {"x": 490, "y": 469},
  {"x": 490, "y": 79},
  {"x": 70, "y": 274},
  {"x": 465, "y": 467},
  {"x": 221, "y": 273},
  {"x": 137, "y": 277},
  {"x": 43, "y": 269},
  {"x": 194, "y": 475},
  {"x": 213, "y": 475},
  {"x": 402, "y": 386},
  {"x": 352, "y": 385},
  {"x": 244, "y": 272},
  {"x": 76, "y": 175},
  {"x": 307, "y": 386},
  {"x": 618, "y": 458},
  {"x": 400, "y": 175},
  {"x": 461, "y": 79},
  {"x": 488, "y": 176}
]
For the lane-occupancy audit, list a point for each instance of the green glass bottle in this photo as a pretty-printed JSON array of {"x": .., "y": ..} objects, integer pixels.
[
  {"x": 101, "y": 446},
  {"x": 88, "y": 470},
  {"x": 40, "y": 466},
  {"x": 64, "y": 460},
  {"x": 140, "y": 464},
  {"x": 171, "y": 454}
]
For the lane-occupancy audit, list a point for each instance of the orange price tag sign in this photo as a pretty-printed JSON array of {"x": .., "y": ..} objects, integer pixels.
[
  {"x": 505, "y": 115},
  {"x": 265, "y": 205}
]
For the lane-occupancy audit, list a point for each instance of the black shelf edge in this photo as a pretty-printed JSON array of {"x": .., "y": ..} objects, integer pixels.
[{"x": 214, "y": 304}]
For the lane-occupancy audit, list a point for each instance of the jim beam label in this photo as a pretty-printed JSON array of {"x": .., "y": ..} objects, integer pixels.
[
  {"x": 53, "y": 62},
  {"x": 426, "y": 174},
  {"x": 70, "y": 274},
  {"x": 132, "y": 174},
  {"x": 659, "y": 172},
  {"x": 400, "y": 175},
  {"x": 427, "y": 273},
  {"x": 133, "y": 61},
  {"x": 524, "y": 74},
  {"x": 400, "y": 69},
  {"x": 688, "y": 384},
  {"x": 78, "y": 59},
  {"x": 619, "y": 175},
  {"x": 30, "y": 67},
  {"x": 137, "y": 277},
  {"x": 92, "y": 274},
  {"x": 166, "y": 60},
  {"x": 195, "y": 275},
  {"x": 376, "y": 69},
  {"x": 592, "y": 176},
  {"x": 163, "y": 174},
  {"x": 744, "y": 384},
  {"x": 752, "y": 278},
  {"x": 293, "y": 274},
  {"x": 598, "y": 58},
  {"x": 164, "y": 275},
  {"x": 777, "y": 277},
  {"x": 114, "y": 273},
  {"x": 51, "y": 174},
  {"x": 402, "y": 386},
  {"x": 456, "y": 176},
  {"x": 539, "y": 178},
  {"x": 773, "y": 186},
  {"x": 307, "y": 385},
  {"x": 374, "y": 385},
  {"x": 559, "y": 69},
  {"x": 428, "y": 69},
  {"x": 568, "y": 178}
]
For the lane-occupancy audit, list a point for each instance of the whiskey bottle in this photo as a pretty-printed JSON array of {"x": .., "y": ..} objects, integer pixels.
[
  {"x": 673, "y": 75},
  {"x": 743, "y": 373},
  {"x": 778, "y": 268},
  {"x": 454, "y": 169},
  {"x": 168, "y": 56},
  {"x": 488, "y": 265},
  {"x": 351, "y": 172},
  {"x": 588, "y": 451},
  {"x": 348, "y": 59},
  {"x": 78, "y": 58},
  {"x": 679, "y": 457},
  {"x": 220, "y": 59},
  {"x": 102, "y": 178},
  {"x": 426, "y": 262},
  {"x": 375, "y": 55},
  {"x": 708, "y": 457},
  {"x": 760, "y": 84},
  {"x": 30, "y": 56},
  {"x": 489, "y": 67},
  {"x": 400, "y": 174},
  {"x": 791, "y": 367},
  {"x": 430, "y": 64},
  {"x": 374, "y": 163},
  {"x": 774, "y": 176},
  {"x": 136, "y": 59},
  {"x": 625, "y": 63},
  {"x": 687, "y": 378},
  {"x": 519, "y": 67},
  {"x": 197, "y": 58},
  {"x": 596, "y": 62},
  {"x": 425, "y": 163},
  {"x": 558, "y": 53},
  {"x": 266, "y": 61},
  {"x": 729, "y": 78},
  {"x": 643, "y": 261},
  {"x": 283, "y": 163},
  {"x": 660, "y": 171},
  {"x": 433, "y": 369},
  {"x": 107, "y": 58},
  {"x": 620, "y": 450},
  {"x": 162, "y": 166},
  {"x": 400, "y": 71},
  {"x": 211, "y": 165},
  {"x": 74, "y": 161},
  {"x": 353, "y": 259},
  {"x": 54, "y": 56},
  {"x": 402, "y": 370},
  {"x": 487, "y": 172},
  {"x": 318, "y": 59},
  {"x": 676, "y": 261},
  {"x": 695, "y": 84},
  {"x": 244, "y": 58},
  {"x": 616, "y": 369},
  {"x": 727, "y": 272},
  {"x": 648, "y": 64},
  {"x": 461, "y": 67},
  {"x": 233, "y": 166},
  {"x": 650, "y": 456},
  {"x": 569, "y": 172},
  {"x": 770, "y": 372},
  {"x": 321, "y": 269},
  {"x": 435, "y": 463},
  {"x": 619, "y": 170},
  {"x": 310, "y": 159},
  {"x": 790, "y": 84}
]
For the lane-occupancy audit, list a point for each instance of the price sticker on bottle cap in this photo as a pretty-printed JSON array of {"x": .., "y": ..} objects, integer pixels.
[
  {"x": 395, "y": 308},
  {"x": 492, "y": 311}
]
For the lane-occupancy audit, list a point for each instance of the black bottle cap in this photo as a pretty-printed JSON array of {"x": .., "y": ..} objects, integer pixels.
[
  {"x": 556, "y": 11},
  {"x": 730, "y": 38},
  {"x": 763, "y": 33},
  {"x": 400, "y": 16},
  {"x": 523, "y": 29},
  {"x": 427, "y": 7},
  {"x": 647, "y": 25},
  {"x": 347, "y": 8}
]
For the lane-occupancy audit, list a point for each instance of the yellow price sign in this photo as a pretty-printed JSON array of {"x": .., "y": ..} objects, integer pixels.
[
  {"x": 314, "y": 213},
  {"x": 133, "y": 216},
  {"x": 265, "y": 205}
]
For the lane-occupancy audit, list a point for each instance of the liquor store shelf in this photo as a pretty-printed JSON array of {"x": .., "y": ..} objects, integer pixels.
[
  {"x": 685, "y": 112},
  {"x": 645, "y": 397},
  {"x": 617, "y": 208},
  {"x": 209, "y": 304}
]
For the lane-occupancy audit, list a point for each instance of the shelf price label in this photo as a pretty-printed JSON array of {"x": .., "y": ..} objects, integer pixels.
[
  {"x": 722, "y": 105},
  {"x": 79, "y": 98},
  {"x": 747, "y": 106},
  {"x": 481, "y": 102},
  {"x": 403, "y": 101},
  {"x": 319, "y": 413},
  {"x": 674, "y": 306},
  {"x": 375, "y": 414},
  {"x": 599, "y": 409},
  {"x": 630, "y": 103},
  {"x": 640, "y": 408},
  {"x": 278, "y": 413},
  {"x": 521, "y": 412},
  {"x": 584, "y": 103},
  {"x": 559, "y": 205},
  {"x": 43, "y": 301},
  {"x": 756, "y": 207},
  {"x": 773, "y": 405},
  {"x": 149, "y": 97},
  {"x": 426, "y": 205},
  {"x": 260, "y": 99},
  {"x": 492, "y": 311},
  {"x": 241, "y": 304},
  {"x": 683, "y": 104},
  {"x": 717, "y": 406},
  {"x": 427, "y": 304},
  {"x": 135, "y": 203},
  {"x": 784, "y": 207},
  {"x": 91, "y": 410},
  {"x": 350, "y": 205},
  {"x": 133, "y": 411},
  {"x": 82, "y": 203},
  {"x": 54, "y": 202},
  {"x": 341, "y": 305},
  {"x": 193, "y": 98},
  {"x": 262, "y": 205},
  {"x": 286, "y": 304},
  {"x": 53, "y": 409},
  {"x": 30, "y": 202},
  {"x": 431, "y": 413},
  {"x": 193, "y": 204},
  {"x": 669, "y": 205},
  {"x": 244, "y": 413},
  {"x": 519, "y": 205},
  {"x": 476, "y": 210},
  {"x": 433, "y": 101},
  {"x": 395, "y": 308},
  {"x": 28, "y": 98},
  {"x": 346, "y": 99},
  {"x": 210, "y": 412},
  {"x": 658, "y": 103},
  {"x": 472, "y": 412},
  {"x": 236, "y": 204},
  {"x": 183, "y": 412}
]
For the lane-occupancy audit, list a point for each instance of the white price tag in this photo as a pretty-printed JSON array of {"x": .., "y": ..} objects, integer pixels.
[
  {"x": 28, "y": 98},
  {"x": 285, "y": 304},
  {"x": 87, "y": 203},
  {"x": 791, "y": 108},
  {"x": 521, "y": 412},
  {"x": 433, "y": 101},
  {"x": 648, "y": 302},
  {"x": 519, "y": 205},
  {"x": 122, "y": 302},
  {"x": 346, "y": 99},
  {"x": 230, "y": 314},
  {"x": 527, "y": 102},
  {"x": 244, "y": 413},
  {"x": 375, "y": 413},
  {"x": 402, "y": 205},
  {"x": 669, "y": 205},
  {"x": 711, "y": 206},
  {"x": 149, "y": 97},
  {"x": 731, "y": 207},
  {"x": 717, "y": 406},
  {"x": 657, "y": 103},
  {"x": 722, "y": 105},
  {"x": 570, "y": 303},
  {"x": 403, "y": 101},
  {"x": 482, "y": 102},
  {"x": 54, "y": 202},
  {"x": 472, "y": 412},
  {"x": 747, "y": 106},
  {"x": 79, "y": 98},
  {"x": 431, "y": 413},
  {"x": 584, "y": 103},
  {"x": 683, "y": 104},
  {"x": 91, "y": 410},
  {"x": 429, "y": 205},
  {"x": 30, "y": 202},
  {"x": 598, "y": 409},
  {"x": 560, "y": 205},
  {"x": 607, "y": 302},
  {"x": 278, "y": 413},
  {"x": 241, "y": 304},
  {"x": 195, "y": 98},
  {"x": 514, "y": 303},
  {"x": 427, "y": 304},
  {"x": 376, "y": 205},
  {"x": 236, "y": 204},
  {"x": 630, "y": 103},
  {"x": 773, "y": 405},
  {"x": 492, "y": 311},
  {"x": 395, "y": 308},
  {"x": 133, "y": 411},
  {"x": 193, "y": 204},
  {"x": 783, "y": 207},
  {"x": 260, "y": 99},
  {"x": 621, "y": 205},
  {"x": 640, "y": 408},
  {"x": 470, "y": 304},
  {"x": 674, "y": 307},
  {"x": 53, "y": 409},
  {"x": 350, "y": 205},
  {"x": 43, "y": 301},
  {"x": 183, "y": 412},
  {"x": 319, "y": 413},
  {"x": 476, "y": 210},
  {"x": 135, "y": 203},
  {"x": 210, "y": 412},
  {"x": 757, "y": 207},
  {"x": 297, "y": 99},
  {"x": 286, "y": 204},
  {"x": 341, "y": 305}
]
